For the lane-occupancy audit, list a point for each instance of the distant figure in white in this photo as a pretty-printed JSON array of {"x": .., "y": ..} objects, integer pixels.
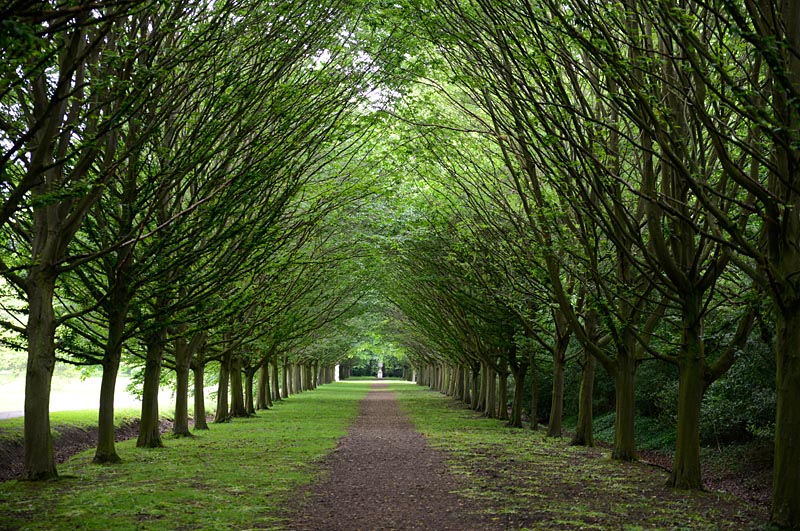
[{"x": 380, "y": 369}]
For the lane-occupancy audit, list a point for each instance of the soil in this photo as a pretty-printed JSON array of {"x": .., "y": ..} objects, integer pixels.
[{"x": 383, "y": 476}]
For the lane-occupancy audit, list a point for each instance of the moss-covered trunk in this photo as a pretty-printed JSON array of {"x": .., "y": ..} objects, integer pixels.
[{"x": 554, "y": 425}]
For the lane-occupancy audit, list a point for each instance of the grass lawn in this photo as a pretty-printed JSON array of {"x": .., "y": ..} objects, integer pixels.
[
  {"x": 532, "y": 482},
  {"x": 237, "y": 476}
]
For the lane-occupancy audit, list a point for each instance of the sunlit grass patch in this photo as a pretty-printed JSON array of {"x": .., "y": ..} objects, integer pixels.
[{"x": 238, "y": 475}]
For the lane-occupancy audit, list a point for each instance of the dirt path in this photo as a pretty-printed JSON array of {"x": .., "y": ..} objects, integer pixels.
[{"x": 384, "y": 477}]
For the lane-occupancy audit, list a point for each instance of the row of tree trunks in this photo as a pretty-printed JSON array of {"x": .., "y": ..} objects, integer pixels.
[{"x": 484, "y": 387}]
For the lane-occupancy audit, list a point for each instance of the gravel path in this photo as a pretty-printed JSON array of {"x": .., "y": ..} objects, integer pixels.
[{"x": 384, "y": 477}]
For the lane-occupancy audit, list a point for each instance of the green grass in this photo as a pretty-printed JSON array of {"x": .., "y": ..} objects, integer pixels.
[
  {"x": 238, "y": 475},
  {"x": 11, "y": 429},
  {"x": 537, "y": 483}
]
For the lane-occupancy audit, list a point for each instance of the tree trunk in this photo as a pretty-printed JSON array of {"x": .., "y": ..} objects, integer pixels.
[
  {"x": 502, "y": 394},
  {"x": 298, "y": 378},
  {"x": 263, "y": 385},
  {"x": 39, "y": 463},
  {"x": 534, "y": 396},
  {"x": 786, "y": 480},
  {"x": 491, "y": 393},
  {"x": 184, "y": 352},
  {"x": 221, "y": 414},
  {"x": 199, "y": 369},
  {"x": 484, "y": 393},
  {"x": 276, "y": 388},
  {"x": 249, "y": 381},
  {"x": 625, "y": 407},
  {"x": 519, "y": 395},
  {"x": 149, "y": 426},
  {"x": 686, "y": 462},
  {"x": 476, "y": 385},
  {"x": 106, "y": 451},
  {"x": 554, "y": 425},
  {"x": 584, "y": 435},
  {"x": 237, "y": 389},
  {"x": 285, "y": 379},
  {"x": 584, "y": 431}
]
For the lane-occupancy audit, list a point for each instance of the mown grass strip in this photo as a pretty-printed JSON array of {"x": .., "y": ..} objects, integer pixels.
[
  {"x": 535, "y": 483},
  {"x": 238, "y": 475}
]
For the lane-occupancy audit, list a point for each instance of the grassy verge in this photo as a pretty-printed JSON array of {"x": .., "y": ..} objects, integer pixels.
[
  {"x": 235, "y": 476},
  {"x": 12, "y": 429},
  {"x": 531, "y": 482}
]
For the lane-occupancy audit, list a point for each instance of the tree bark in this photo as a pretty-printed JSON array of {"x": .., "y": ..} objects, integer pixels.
[
  {"x": 491, "y": 393},
  {"x": 785, "y": 509},
  {"x": 106, "y": 450},
  {"x": 249, "y": 381},
  {"x": 625, "y": 407},
  {"x": 263, "y": 385},
  {"x": 221, "y": 414},
  {"x": 584, "y": 431},
  {"x": 184, "y": 353},
  {"x": 199, "y": 369},
  {"x": 519, "y": 395},
  {"x": 285, "y": 379},
  {"x": 149, "y": 426},
  {"x": 502, "y": 393},
  {"x": 39, "y": 463},
  {"x": 238, "y": 408},
  {"x": 534, "y": 396},
  {"x": 276, "y": 388},
  {"x": 476, "y": 385}
]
